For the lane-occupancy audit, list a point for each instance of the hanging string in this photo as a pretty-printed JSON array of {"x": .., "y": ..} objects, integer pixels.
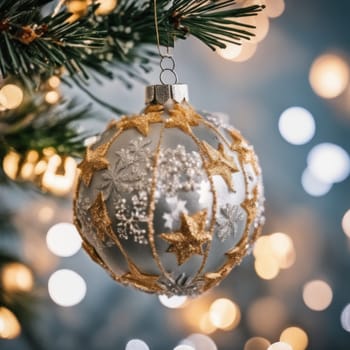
[{"x": 167, "y": 62}]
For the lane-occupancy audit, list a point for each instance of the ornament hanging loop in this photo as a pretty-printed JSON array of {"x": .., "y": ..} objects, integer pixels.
[
  {"x": 167, "y": 66},
  {"x": 167, "y": 62}
]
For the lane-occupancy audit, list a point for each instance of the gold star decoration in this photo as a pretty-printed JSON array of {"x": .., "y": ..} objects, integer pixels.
[
  {"x": 94, "y": 161},
  {"x": 190, "y": 238},
  {"x": 220, "y": 163},
  {"x": 183, "y": 117},
  {"x": 140, "y": 280},
  {"x": 140, "y": 122},
  {"x": 101, "y": 218}
]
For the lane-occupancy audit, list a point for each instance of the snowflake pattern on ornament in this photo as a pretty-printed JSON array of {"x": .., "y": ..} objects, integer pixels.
[
  {"x": 130, "y": 171},
  {"x": 181, "y": 285},
  {"x": 179, "y": 170},
  {"x": 131, "y": 217},
  {"x": 227, "y": 226},
  {"x": 177, "y": 207}
]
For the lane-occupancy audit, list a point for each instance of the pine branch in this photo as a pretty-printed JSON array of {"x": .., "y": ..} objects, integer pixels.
[
  {"x": 33, "y": 46},
  {"x": 37, "y": 125}
]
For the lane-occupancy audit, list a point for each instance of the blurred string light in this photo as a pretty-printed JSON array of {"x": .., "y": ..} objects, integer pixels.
[
  {"x": 317, "y": 295},
  {"x": 205, "y": 324},
  {"x": 257, "y": 343},
  {"x": 173, "y": 302},
  {"x": 16, "y": 277},
  {"x": 313, "y": 186},
  {"x": 50, "y": 171},
  {"x": 199, "y": 342},
  {"x": 272, "y": 253},
  {"x": 297, "y": 125},
  {"x": 345, "y": 318},
  {"x": 224, "y": 314},
  {"x": 136, "y": 344},
  {"x": 11, "y": 96},
  {"x": 346, "y": 223},
  {"x": 329, "y": 76},
  {"x": 66, "y": 288},
  {"x": 280, "y": 346},
  {"x": 9, "y": 325},
  {"x": 329, "y": 163},
  {"x": 295, "y": 337},
  {"x": 63, "y": 239}
]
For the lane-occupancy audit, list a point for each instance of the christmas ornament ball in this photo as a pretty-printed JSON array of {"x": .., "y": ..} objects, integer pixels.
[{"x": 169, "y": 200}]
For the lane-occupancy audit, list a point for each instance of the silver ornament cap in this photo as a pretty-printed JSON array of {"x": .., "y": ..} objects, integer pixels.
[{"x": 160, "y": 94}]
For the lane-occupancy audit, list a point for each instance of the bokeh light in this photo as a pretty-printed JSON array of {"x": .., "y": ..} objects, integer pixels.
[
  {"x": 54, "y": 82},
  {"x": 52, "y": 97},
  {"x": 173, "y": 302},
  {"x": 346, "y": 223},
  {"x": 297, "y": 125},
  {"x": 17, "y": 277},
  {"x": 63, "y": 239},
  {"x": 184, "y": 347},
  {"x": 136, "y": 344},
  {"x": 45, "y": 214},
  {"x": 295, "y": 337},
  {"x": 329, "y": 163},
  {"x": 230, "y": 52},
  {"x": 313, "y": 186},
  {"x": 223, "y": 313},
  {"x": 247, "y": 52},
  {"x": 66, "y": 288},
  {"x": 283, "y": 250},
  {"x": 9, "y": 325},
  {"x": 262, "y": 24},
  {"x": 267, "y": 267},
  {"x": 257, "y": 343},
  {"x": 205, "y": 324},
  {"x": 257, "y": 318},
  {"x": 200, "y": 341},
  {"x": 280, "y": 346},
  {"x": 10, "y": 164},
  {"x": 13, "y": 96},
  {"x": 274, "y": 8},
  {"x": 329, "y": 76},
  {"x": 105, "y": 7},
  {"x": 317, "y": 295},
  {"x": 345, "y": 318}
]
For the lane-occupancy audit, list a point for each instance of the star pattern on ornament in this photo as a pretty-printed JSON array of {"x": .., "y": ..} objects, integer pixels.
[
  {"x": 101, "y": 219},
  {"x": 190, "y": 238},
  {"x": 183, "y": 117},
  {"x": 141, "y": 280},
  {"x": 241, "y": 146},
  {"x": 94, "y": 161},
  {"x": 140, "y": 122},
  {"x": 219, "y": 163}
]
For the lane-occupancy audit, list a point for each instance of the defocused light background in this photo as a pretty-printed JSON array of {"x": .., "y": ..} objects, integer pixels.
[{"x": 288, "y": 91}]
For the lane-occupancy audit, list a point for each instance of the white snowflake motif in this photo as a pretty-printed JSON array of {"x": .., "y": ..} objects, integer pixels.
[
  {"x": 228, "y": 226},
  {"x": 179, "y": 170},
  {"x": 204, "y": 192},
  {"x": 181, "y": 285},
  {"x": 177, "y": 207},
  {"x": 131, "y": 218},
  {"x": 130, "y": 171}
]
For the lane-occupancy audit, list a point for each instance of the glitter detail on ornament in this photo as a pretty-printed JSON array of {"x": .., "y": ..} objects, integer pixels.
[
  {"x": 181, "y": 285},
  {"x": 179, "y": 170}
]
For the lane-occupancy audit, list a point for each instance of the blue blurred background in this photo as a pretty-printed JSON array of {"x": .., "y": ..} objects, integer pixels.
[{"x": 288, "y": 69}]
